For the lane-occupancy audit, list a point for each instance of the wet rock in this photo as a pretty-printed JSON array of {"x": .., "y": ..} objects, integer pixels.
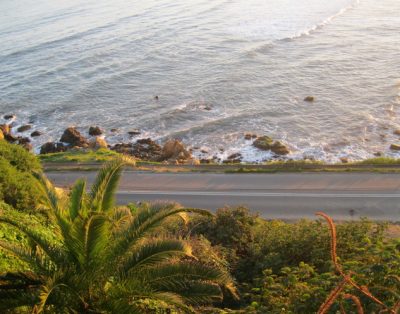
[
  {"x": 174, "y": 149},
  {"x": 344, "y": 160},
  {"x": 156, "y": 97},
  {"x": 9, "y": 116},
  {"x": 279, "y": 148},
  {"x": 249, "y": 136},
  {"x": 205, "y": 161},
  {"x": 52, "y": 147},
  {"x": 97, "y": 143},
  {"x": 378, "y": 154},
  {"x": 144, "y": 149},
  {"x": 36, "y": 133},
  {"x": 73, "y": 137},
  {"x": 309, "y": 99},
  {"x": 395, "y": 147},
  {"x": 114, "y": 130},
  {"x": 263, "y": 142},
  {"x": 396, "y": 132},
  {"x": 203, "y": 151},
  {"x": 95, "y": 131},
  {"x": 25, "y": 142},
  {"x": 134, "y": 132},
  {"x": 24, "y": 128}
]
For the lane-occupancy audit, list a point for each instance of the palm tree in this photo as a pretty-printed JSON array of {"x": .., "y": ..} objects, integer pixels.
[{"x": 106, "y": 259}]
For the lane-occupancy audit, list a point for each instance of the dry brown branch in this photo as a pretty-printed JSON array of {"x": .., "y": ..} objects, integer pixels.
[
  {"x": 356, "y": 301},
  {"x": 363, "y": 289},
  {"x": 332, "y": 229},
  {"x": 332, "y": 297}
]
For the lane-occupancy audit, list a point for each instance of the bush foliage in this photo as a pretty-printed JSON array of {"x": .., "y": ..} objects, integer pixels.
[{"x": 17, "y": 184}]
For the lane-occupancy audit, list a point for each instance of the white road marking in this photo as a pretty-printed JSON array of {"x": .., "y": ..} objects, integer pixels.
[{"x": 261, "y": 194}]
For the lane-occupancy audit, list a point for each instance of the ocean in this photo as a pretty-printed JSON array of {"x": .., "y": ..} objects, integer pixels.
[{"x": 220, "y": 69}]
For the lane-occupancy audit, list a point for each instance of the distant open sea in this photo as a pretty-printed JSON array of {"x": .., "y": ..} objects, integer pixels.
[{"x": 221, "y": 68}]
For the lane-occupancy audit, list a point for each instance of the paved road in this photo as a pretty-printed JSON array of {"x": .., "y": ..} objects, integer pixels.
[{"x": 282, "y": 195}]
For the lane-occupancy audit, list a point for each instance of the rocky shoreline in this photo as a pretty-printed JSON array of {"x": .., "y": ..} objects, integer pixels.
[{"x": 172, "y": 151}]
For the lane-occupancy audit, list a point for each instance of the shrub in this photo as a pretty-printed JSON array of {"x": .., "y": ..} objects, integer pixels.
[{"x": 18, "y": 187}]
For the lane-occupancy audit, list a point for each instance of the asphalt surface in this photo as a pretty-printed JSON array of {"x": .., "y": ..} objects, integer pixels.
[{"x": 281, "y": 195}]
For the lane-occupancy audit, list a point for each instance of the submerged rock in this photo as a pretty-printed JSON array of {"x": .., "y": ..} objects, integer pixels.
[
  {"x": 73, "y": 137},
  {"x": 309, "y": 99},
  {"x": 95, "y": 131},
  {"x": 36, "y": 133},
  {"x": 9, "y": 116},
  {"x": 249, "y": 136},
  {"x": 134, "y": 132},
  {"x": 24, "y": 128},
  {"x": 52, "y": 147}
]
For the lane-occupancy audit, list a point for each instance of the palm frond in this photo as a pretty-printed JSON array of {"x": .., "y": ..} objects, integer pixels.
[
  {"x": 96, "y": 238},
  {"x": 102, "y": 195},
  {"x": 76, "y": 198},
  {"x": 172, "y": 276},
  {"x": 154, "y": 252},
  {"x": 146, "y": 221},
  {"x": 50, "y": 198}
]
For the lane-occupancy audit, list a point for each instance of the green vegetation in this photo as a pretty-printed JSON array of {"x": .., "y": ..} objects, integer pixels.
[
  {"x": 100, "y": 155},
  {"x": 17, "y": 184},
  {"x": 105, "y": 258},
  {"x": 76, "y": 252}
]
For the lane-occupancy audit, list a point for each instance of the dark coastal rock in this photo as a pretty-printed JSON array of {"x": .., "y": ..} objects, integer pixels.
[
  {"x": 205, "y": 161},
  {"x": 395, "y": 147},
  {"x": 24, "y": 128},
  {"x": 36, "y": 133},
  {"x": 97, "y": 143},
  {"x": 134, "y": 132},
  {"x": 279, "y": 148},
  {"x": 114, "y": 130},
  {"x": 25, "y": 142},
  {"x": 234, "y": 158},
  {"x": 9, "y": 116},
  {"x": 73, "y": 137},
  {"x": 95, "y": 131},
  {"x": 52, "y": 147},
  {"x": 174, "y": 149},
  {"x": 263, "y": 143},
  {"x": 378, "y": 154},
  {"x": 123, "y": 148},
  {"x": 309, "y": 99},
  {"x": 143, "y": 149}
]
